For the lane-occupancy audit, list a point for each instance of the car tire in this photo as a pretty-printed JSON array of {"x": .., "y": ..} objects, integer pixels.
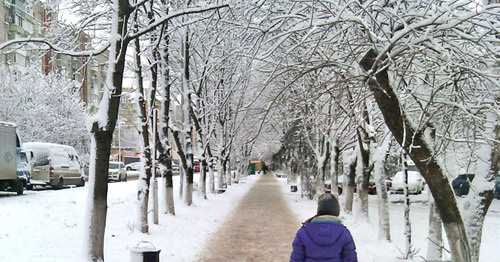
[
  {"x": 20, "y": 187},
  {"x": 129, "y": 168},
  {"x": 60, "y": 184}
]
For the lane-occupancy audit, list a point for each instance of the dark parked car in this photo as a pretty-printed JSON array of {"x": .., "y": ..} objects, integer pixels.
[
  {"x": 497, "y": 188},
  {"x": 372, "y": 188},
  {"x": 461, "y": 184}
]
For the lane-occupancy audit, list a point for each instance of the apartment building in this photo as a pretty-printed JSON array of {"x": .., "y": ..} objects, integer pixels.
[{"x": 21, "y": 20}]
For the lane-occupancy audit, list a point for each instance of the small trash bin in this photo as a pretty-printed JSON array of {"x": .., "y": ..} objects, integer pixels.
[
  {"x": 144, "y": 251},
  {"x": 293, "y": 188}
]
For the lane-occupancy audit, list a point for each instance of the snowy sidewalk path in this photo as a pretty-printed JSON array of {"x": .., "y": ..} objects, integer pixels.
[{"x": 261, "y": 228}]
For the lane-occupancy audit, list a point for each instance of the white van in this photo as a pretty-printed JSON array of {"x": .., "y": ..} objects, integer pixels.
[
  {"x": 9, "y": 143},
  {"x": 53, "y": 165}
]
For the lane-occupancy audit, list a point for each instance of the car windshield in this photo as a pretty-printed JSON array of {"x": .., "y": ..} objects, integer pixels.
[
  {"x": 22, "y": 158},
  {"x": 113, "y": 166},
  {"x": 412, "y": 177}
]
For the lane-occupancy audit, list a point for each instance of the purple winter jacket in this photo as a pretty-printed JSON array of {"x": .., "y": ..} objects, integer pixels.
[{"x": 325, "y": 239}]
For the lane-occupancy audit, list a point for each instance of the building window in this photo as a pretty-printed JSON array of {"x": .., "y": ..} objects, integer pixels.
[{"x": 18, "y": 20}]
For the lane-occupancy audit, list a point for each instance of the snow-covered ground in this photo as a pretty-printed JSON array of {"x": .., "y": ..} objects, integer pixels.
[
  {"x": 47, "y": 225},
  {"x": 370, "y": 248}
]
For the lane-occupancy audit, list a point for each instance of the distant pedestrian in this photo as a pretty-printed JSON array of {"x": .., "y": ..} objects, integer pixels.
[{"x": 323, "y": 237}]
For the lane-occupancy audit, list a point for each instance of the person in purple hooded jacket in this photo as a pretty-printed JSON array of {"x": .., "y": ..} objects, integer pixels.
[{"x": 323, "y": 237}]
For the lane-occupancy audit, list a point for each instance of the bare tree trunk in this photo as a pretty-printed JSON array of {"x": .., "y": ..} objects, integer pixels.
[
  {"x": 481, "y": 203},
  {"x": 383, "y": 202},
  {"x": 435, "y": 235},
  {"x": 202, "y": 184},
  {"x": 350, "y": 185},
  {"x": 476, "y": 221},
  {"x": 102, "y": 135},
  {"x": 422, "y": 155},
  {"x": 182, "y": 178},
  {"x": 306, "y": 185},
  {"x": 144, "y": 178},
  {"x": 320, "y": 182},
  {"x": 169, "y": 192},
  {"x": 228, "y": 172},
  {"x": 211, "y": 177},
  {"x": 408, "y": 247},
  {"x": 220, "y": 173},
  {"x": 334, "y": 166},
  {"x": 363, "y": 170},
  {"x": 165, "y": 158}
]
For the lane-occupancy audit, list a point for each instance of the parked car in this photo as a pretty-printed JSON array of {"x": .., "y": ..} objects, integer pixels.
[
  {"x": 372, "y": 188},
  {"x": 175, "y": 166},
  {"x": 416, "y": 183},
  {"x": 85, "y": 170},
  {"x": 116, "y": 172},
  {"x": 23, "y": 168},
  {"x": 53, "y": 165},
  {"x": 196, "y": 168},
  {"x": 461, "y": 184},
  {"x": 133, "y": 166},
  {"x": 497, "y": 188}
]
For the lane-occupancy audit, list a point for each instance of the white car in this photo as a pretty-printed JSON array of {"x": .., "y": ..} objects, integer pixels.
[
  {"x": 116, "y": 172},
  {"x": 136, "y": 166},
  {"x": 416, "y": 183}
]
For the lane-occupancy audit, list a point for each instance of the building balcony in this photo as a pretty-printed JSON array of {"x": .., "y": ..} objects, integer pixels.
[{"x": 14, "y": 28}]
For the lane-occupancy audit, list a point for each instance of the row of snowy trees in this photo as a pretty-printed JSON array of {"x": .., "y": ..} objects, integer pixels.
[
  {"x": 191, "y": 62},
  {"x": 424, "y": 73},
  {"x": 342, "y": 79},
  {"x": 46, "y": 108}
]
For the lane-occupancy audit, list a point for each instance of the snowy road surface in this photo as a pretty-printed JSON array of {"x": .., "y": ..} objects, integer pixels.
[{"x": 261, "y": 228}]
